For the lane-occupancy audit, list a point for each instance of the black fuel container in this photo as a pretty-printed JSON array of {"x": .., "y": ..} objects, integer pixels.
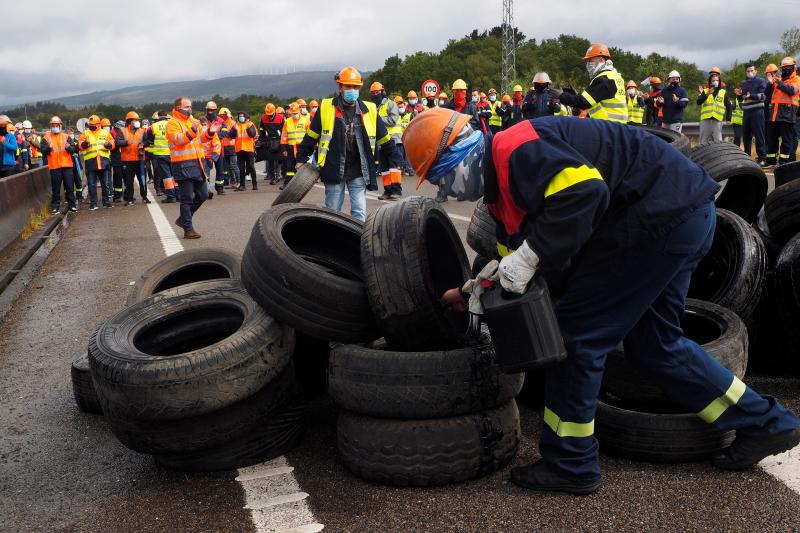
[{"x": 524, "y": 328}]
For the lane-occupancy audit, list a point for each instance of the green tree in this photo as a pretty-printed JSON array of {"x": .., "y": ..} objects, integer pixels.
[{"x": 790, "y": 41}]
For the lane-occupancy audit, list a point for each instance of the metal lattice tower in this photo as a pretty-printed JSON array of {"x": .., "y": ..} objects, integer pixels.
[{"x": 509, "y": 64}]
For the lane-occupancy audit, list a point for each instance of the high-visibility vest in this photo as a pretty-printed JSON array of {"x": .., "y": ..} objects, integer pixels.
[
  {"x": 327, "y": 110},
  {"x": 58, "y": 156},
  {"x": 293, "y": 131},
  {"x": 97, "y": 146},
  {"x": 615, "y": 108},
  {"x": 134, "y": 138},
  {"x": 404, "y": 121},
  {"x": 781, "y": 98},
  {"x": 211, "y": 146},
  {"x": 147, "y": 149},
  {"x": 383, "y": 111},
  {"x": 184, "y": 144},
  {"x": 635, "y": 112},
  {"x": 35, "y": 142},
  {"x": 160, "y": 145},
  {"x": 495, "y": 119},
  {"x": 714, "y": 107},
  {"x": 227, "y": 126},
  {"x": 737, "y": 115},
  {"x": 244, "y": 143}
]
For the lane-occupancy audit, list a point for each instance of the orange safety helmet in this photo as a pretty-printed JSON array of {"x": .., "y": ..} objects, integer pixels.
[
  {"x": 411, "y": 94},
  {"x": 280, "y": 110},
  {"x": 788, "y": 61},
  {"x": 482, "y": 95},
  {"x": 376, "y": 86},
  {"x": 428, "y": 135},
  {"x": 398, "y": 99},
  {"x": 301, "y": 102},
  {"x": 654, "y": 80},
  {"x": 350, "y": 76},
  {"x": 631, "y": 84},
  {"x": 132, "y": 115},
  {"x": 506, "y": 98},
  {"x": 313, "y": 103},
  {"x": 597, "y": 50},
  {"x": 714, "y": 70},
  {"x": 94, "y": 120},
  {"x": 55, "y": 120},
  {"x": 105, "y": 122},
  {"x": 269, "y": 109},
  {"x": 772, "y": 67},
  {"x": 294, "y": 108}
]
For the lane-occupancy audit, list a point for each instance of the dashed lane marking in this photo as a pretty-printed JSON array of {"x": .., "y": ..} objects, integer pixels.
[
  {"x": 785, "y": 467},
  {"x": 277, "y": 500},
  {"x": 169, "y": 241},
  {"x": 262, "y": 471}
]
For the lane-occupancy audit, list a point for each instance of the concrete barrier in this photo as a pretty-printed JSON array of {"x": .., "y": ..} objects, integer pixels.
[{"x": 21, "y": 195}]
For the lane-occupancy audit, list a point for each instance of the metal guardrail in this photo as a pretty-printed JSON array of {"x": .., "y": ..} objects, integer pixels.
[
  {"x": 692, "y": 129},
  {"x": 21, "y": 195}
]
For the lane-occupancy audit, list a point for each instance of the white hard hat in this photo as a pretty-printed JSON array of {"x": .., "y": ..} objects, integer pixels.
[
  {"x": 27, "y": 124},
  {"x": 674, "y": 74},
  {"x": 211, "y": 105},
  {"x": 541, "y": 77}
]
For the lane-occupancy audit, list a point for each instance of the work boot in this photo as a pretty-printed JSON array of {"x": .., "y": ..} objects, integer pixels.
[
  {"x": 273, "y": 182},
  {"x": 178, "y": 222},
  {"x": 747, "y": 451},
  {"x": 146, "y": 200},
  {"x": 239, "y": 188},
  {"x": 220, "y": 191},
  {"x": 191, "y": 234},
  {"x": 255, "y": 187},
  {"x": 210, "y": 195},
  {"x": 538, "y": 476},
  {"x": 441, "y": 198},
  {"x": 385, "y": 196},
  {"x": 168, "y": 200}
]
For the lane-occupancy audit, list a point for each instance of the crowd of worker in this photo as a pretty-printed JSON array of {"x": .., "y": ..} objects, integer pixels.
[{"x": 139, "y": 150}]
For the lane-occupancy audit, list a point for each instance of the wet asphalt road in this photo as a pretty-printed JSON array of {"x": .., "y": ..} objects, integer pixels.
[{"x": 62, "y": 470}]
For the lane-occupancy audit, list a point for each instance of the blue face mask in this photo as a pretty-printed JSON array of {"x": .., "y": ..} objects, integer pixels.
[
  {"x": 55, "y": 129},
  {"x": 242, "y": 119},
  {"x": 350, "y": 95}
]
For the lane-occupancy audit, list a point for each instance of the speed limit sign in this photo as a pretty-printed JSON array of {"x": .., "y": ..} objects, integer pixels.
[{"x": 430, "y": 88}]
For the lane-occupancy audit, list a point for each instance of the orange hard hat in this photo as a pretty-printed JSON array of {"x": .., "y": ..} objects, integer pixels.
[
  {"x": 772, "y": 67},
  {"x": 132, "y": 115},
  {"x": 631, "y": 84},
  {"x": 94, "y": 120},
  {"x": 313, "y": 103},
  {"x": 376, "y": 86},
  {"x": 294, "y": 108},
  {"x": 430, "y": 133},
  {"x": 350, "y": 76},
  {"x": 398, "y": 99},
  {"x": 714, "y": 70},
  {"x": 301, "y": 102},
  {"x": 483, "y": 95},
  {"x": 411, "y": 94},
  {"x": 269, "y": 109},
  {"x": 788, "y": 62},
  {"x": 280, "y": 110},
  {"x": 507, "y": 98},
  {"x": 105, "y": 122},
  {"x": 597, "y": 50},
  {"x": 55, "y": 120},
  {"x": 654, "y": 80}
]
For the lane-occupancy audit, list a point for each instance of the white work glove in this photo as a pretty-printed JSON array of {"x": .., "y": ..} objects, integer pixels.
[
  {"x": 474, "y": 287},
  {"x": 517, "y": 269}
]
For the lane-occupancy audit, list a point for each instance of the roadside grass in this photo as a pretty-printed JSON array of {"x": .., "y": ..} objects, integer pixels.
[{"x": 35, "y": 222}]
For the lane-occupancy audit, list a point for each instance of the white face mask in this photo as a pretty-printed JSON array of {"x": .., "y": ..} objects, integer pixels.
[
  {"x": 107, "y": 128},
  {"x": 27, "y": 130},
  {"x": 492, "y": 98},
  {"x": 296, "y": 116},
  {"x": 715, "y": 83},
  {"x": 632, "y": 92},
  {"x": 475, "y": 99},
  {"x": 137, "y": 124},
  {"x": 304, "y": 111},
  {"x": 412, "y": 102},
  {"x": 442, "y": 102},
  {"x": 401, "y": 109},
  {"x": 313, "y": 109}
]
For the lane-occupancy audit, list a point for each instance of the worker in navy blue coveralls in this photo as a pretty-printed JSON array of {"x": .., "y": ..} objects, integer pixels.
[{"x": 616, "y": 221}]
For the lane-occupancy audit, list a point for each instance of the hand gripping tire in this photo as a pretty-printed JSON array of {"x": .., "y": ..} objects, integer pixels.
[
  {"x": 390, "y": 384},
  {"x": 186, "y": 353},
  {"x": 422, "y": 453},
  {"x": 411, "y": 255},
  {"x": 299, "y": 186},
  {"x": 189, "y": 266},
  {"x": 746, "y": 185},
  {"x": 302, "y": 265},
  {"x": 82, "y": 386}
]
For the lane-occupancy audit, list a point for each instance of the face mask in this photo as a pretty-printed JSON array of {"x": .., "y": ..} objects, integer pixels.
[
  {"x": 107, "y": 128},
  {"x": 242, "y": 119},
  {"x": 442, "y": 102},
  {"x": 539, "y": 87},
  {"x": 93, "y": 127},
  {"x": 518, "y": 95},
  {"x": 27, "y": 130},
  {"x": 377, "y": 98},
  {"x": 402, "y": 110},
  {"x": 313, "y": 109},
  {"x": 632, "y": 92},
  {"x": 412, "y": 102},
  {"x": 304, "y": 111},
  {"x": 492, "y": 98},
  {"x": 464, "y": 163},
  {"x": 674, "y": 83},
  {"x": 750, "y": 75},
  {"x": 295, "y": 116},
  {"x": 72, "y": 136},
  {"x": 475, "y": 99},
  {"x": 211, "y": 115},
  {"x": 137, "y": 124},
  {"x": 786, "y": 72},
  {"x": 186, "y": 111},
  {"x": 350, "y": 95},
  {"x": 656, "y": 86},
  {"x": 715, "y": 83}
]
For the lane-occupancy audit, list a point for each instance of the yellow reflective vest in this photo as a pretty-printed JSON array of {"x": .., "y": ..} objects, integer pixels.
[
  {"x": 635, "y": 112},
  {"x": 160, "y": 145},
  {"x": 495, "y": 119},
  {"x": 737, "y": 115},
  {"x": 713, "y": 107},
  {"x": 328, "y": 119},
  {"x": 615, "y": 108},
  {"x": 97, "y": 144}
]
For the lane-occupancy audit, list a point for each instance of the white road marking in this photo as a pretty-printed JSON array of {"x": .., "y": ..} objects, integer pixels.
[
  {"x": 262, "y": 472},
  {"x": 785, "y": 467},
  {"x": 277, "y": 500},
  {"x": 169, "y": 241},
  {"x": 308, "y": 528}
]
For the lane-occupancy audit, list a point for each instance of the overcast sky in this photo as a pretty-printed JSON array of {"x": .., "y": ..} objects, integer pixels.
[{"x": 60, "y": 48}]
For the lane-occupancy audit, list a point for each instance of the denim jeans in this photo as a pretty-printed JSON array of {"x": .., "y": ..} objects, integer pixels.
[
  {"x": 104, "y": 177},
  {"x": 334, "y": 197}
]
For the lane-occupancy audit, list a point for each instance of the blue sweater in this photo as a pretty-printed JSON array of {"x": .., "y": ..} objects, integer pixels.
[
  {"x": 673, "y": 111},
  {"x": 756, "y": 88},
  {"x": 9, "y": 150}
]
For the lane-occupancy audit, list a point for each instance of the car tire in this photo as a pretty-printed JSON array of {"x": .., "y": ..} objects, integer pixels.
[
  {"x": 746, "y": 185},
  {"x": 771, "y": 244},
  {"x": 782, "y": 210},
  {"x": 82, "y": 386},
  {"x": 786, "y": 173},
  {"x": 481, "y": 232},
  {"x": 423, "y": 453},
  {"x": 411, "y": 255},
  {"x": 787, "y": 282},
  {"x": 299, "y": 186},
  {"x": 678, "y": 140},
  {"x": 717, "y": 330},
  {"x": 149, "y": 362},
  {"x": 732, "y": 273},
  {"x": 656, "y": 437},
  {"x": 182, "y": 268},
  {"x": 302, "y": 264},
  {"x": 391, "y": 384}
]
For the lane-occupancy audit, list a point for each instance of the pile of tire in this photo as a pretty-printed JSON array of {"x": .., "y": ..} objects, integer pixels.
[
  {"x": 422, "y": 401},
  {"x": 193, "y": 371}
]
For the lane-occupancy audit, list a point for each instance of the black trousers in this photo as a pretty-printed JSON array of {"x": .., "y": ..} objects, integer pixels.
[
  {"x": 753, "y": 127},
  {"x": 59, "y": 177},
  {"x": 118, "y": 178},
  {"x": 247, "y": 165},
  {"x": 737, "y": 135},
  {"x": 788, "y": 141},
  {"x": 134, "y": 168}
]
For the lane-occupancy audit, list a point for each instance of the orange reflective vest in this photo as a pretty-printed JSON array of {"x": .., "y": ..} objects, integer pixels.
[
  {"x": 230, "y": 125},
  {"x": 184, "y": 144},
  {"x": 58, "y": 156},
  {"x": 244, "y": 143},
  {"x": 780, "y": 98},
  {"x": 294, "y": 130},
  {"x": 211, "y": 146},
  {"x": 135, "y": 139}
]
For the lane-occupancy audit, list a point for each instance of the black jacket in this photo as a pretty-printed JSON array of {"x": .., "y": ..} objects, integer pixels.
[
  {"x": 333, "y": 169},
  {"x": 470, "y": 109}
]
